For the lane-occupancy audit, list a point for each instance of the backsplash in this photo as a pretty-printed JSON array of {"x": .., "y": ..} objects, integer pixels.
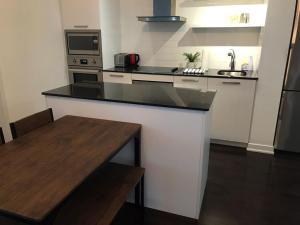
[{"x": 162, "y": 44}]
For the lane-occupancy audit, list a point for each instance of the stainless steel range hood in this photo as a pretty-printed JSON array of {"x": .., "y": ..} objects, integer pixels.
[{"x": 163, "y": 11}]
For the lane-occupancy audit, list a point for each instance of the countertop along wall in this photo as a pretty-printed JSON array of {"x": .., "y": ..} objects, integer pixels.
[
  {"x": 162, "y": 44},
  {"x": 32, "y": 54}
]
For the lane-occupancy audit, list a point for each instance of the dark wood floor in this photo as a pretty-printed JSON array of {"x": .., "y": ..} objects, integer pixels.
[
  {"x": 243, "y": 189},
  {"x": 250, "y": 188}
]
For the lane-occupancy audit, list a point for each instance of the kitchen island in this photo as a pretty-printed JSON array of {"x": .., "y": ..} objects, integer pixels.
[{"x": 175, "y": 134}]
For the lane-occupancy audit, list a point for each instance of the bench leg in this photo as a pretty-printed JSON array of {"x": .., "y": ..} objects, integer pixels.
[
  {"x": 142, "y": 193},
  {"x": 142, "y": 200},
  {"x": 137, "y": 200}
]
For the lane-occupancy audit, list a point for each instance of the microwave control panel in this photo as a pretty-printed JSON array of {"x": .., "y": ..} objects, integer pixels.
[{"x": 84, "y": 61}]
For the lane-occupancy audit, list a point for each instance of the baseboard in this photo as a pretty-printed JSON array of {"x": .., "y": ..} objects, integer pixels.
[
  {"x": 251, "y": 147},
  {"x": 229, "y": 143},
  {"x": 266, "y": 149}
]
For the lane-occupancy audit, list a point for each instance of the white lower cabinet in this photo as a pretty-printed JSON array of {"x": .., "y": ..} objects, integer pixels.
[
  {"x": 153, "y": 78},
  {"x": 232, "y": 109},
  {"x": 190, "y": 82},
  {"x": 122, "y": 78}
]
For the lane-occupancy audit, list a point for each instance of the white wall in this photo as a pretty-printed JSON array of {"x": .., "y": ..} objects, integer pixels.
[
  {"x": 4, "y": 124},
  {"x": 271, "y": 73},
  {"x": 32, "y": 57},
  {"x": 111, "y": 30},
  {"x": 162, "y": 44}
]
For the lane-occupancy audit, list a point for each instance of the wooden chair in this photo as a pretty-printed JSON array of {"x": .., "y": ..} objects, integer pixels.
[
  {"x": 30, "y": 123},
  {"x": 2, "y": 141}
]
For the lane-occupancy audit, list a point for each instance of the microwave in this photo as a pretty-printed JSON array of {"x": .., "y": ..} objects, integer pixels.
[
  {"x": 84, "y": 48},
  {"x": 78, "y": 75},
  {"x": 83, "y": 42}
]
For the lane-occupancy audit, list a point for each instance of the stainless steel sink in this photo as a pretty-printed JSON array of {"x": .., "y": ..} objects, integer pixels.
[{"x": 232, "y": 73}]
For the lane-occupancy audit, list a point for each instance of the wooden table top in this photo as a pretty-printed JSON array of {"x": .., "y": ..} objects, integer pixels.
[{"x": 39, "y": 170}]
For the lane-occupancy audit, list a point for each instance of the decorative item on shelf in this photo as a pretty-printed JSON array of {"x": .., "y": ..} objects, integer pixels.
[
  {"x": 244, "y": 18},
  {"x": 192, "y": 59},
  {"x": 234, "y": 19}
]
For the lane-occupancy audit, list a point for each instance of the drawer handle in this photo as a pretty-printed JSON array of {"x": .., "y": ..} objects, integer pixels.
[
  {"x": 231, "y": 82},
  {"x": 189, "y": 80},
  {"x": 116, "y": 75},
  {"x": 81, "y": 26}
]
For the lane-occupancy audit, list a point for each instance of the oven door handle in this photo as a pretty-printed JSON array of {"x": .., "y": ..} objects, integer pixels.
[{"x": 84, "y": 71}]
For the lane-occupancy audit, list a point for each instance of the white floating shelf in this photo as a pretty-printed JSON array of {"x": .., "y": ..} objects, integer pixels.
[
  {"x": 219, "y": 16},
  {"x": 228, "y": 26}
]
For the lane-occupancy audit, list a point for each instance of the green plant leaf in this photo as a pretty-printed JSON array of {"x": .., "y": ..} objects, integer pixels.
[{"x": 192, "y": 57}]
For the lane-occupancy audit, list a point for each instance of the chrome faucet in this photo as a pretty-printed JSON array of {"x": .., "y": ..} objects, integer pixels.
[{"x": 232, "y": 59}]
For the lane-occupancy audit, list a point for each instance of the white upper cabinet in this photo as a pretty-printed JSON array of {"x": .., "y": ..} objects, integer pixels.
[{"x": 80, "y": 14}]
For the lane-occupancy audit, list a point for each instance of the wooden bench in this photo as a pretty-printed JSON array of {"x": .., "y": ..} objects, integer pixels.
[{"x": 101, "y": 197}]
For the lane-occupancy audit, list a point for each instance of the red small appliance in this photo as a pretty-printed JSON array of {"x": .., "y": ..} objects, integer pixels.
[{"x": 134, "y": 60}]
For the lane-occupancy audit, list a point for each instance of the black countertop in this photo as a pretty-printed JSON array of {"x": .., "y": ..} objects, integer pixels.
[
  {"x": 213, "y": 73},
  {"x": 141, "y": 93}
]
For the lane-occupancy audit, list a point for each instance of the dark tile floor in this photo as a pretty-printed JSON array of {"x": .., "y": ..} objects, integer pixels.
[{"x": 243, "y": 189}]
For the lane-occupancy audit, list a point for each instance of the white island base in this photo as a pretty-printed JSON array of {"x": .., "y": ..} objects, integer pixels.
[{"x": 175, "y": 149}]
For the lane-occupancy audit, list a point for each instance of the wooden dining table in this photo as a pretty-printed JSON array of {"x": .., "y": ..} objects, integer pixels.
[{"x": 39, "y": 170}]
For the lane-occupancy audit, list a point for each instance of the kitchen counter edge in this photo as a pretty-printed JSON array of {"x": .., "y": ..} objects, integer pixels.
[
  {"x": 212, "y": 73},
  {"x": 61, "y": 92}
]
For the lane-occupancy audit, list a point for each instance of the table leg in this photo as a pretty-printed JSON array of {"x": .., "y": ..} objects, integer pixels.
[
  {"x": 137, "y": 149},
  {"x": 137, "y": 194}
]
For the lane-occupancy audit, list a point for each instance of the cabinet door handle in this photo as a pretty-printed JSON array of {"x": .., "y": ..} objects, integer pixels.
[
  {"x": 116, "y": 75},
  {"x": 81, "y": 26},
  {"x": 231, "y": 82},
  {"x": 189, "y": 80},
  {"x": 84, "y": 71}
]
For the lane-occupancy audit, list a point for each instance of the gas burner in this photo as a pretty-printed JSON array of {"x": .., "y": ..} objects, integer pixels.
[{"x": 196, "y": 72}]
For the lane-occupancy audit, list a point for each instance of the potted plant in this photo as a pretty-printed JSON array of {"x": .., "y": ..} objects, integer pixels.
[{"x": 192, "y": 59}]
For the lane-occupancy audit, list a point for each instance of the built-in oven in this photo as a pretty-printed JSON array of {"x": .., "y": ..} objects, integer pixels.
[{"x": 82, "y": 75}]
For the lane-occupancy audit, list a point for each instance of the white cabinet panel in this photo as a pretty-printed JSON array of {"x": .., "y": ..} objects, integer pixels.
[
  {"x": 232, "y": 110},
  {"x": 155, "y": 78},
  {"x": 122, "y": 78},
  {"x": 79, "y": 14},
  {"x": 190, "y": 82}
]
